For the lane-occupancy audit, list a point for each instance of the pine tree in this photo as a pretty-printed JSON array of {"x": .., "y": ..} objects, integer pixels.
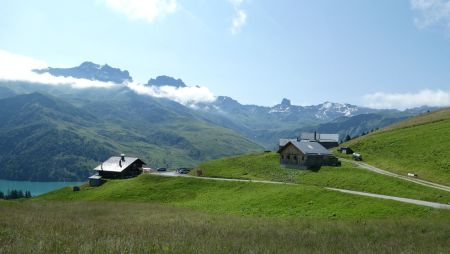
[
  {"x": 347, "y": 138},
  {"x": 2, "y": 196},
  {"x": 12, "y": 194},
  {"x": 15, "y": 194}
]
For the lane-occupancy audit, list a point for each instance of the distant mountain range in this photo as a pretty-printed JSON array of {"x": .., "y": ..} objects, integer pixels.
[
  {"x": 266, "y": 125},
  {"x": 50, "y": 132}
]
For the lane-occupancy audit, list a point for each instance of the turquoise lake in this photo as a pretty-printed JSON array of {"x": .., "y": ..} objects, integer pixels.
[{"x": 36, "y": 188}]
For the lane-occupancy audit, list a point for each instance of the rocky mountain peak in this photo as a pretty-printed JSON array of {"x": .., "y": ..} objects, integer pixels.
[
  {"x": 166, "y": 81},
  {"x": 91, "y": 71},
  {"x": 285, "y": 102},
  {"x": 89, "y": 65}
]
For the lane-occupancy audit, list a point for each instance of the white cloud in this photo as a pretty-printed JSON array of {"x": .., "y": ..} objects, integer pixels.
[
  {"x": 431, "y": 13},
  {"x": 239, "y": 18},
  {"x": 147, "y": 10},
  {"x": 427, "y": 97},
  {"x": 236, "y": 2},
  {"x": 19, "y": 68},
  {"x": 238, "y": 21},
  {"x": 189, "y": 96}
]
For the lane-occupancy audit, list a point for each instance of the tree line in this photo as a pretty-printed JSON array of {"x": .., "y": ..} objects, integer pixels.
[
  {"x": 348, "y": 137},
  {"x": 15, "y": 194}
]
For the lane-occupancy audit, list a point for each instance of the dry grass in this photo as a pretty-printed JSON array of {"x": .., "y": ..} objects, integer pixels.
[{"x": 113, "y": 227}]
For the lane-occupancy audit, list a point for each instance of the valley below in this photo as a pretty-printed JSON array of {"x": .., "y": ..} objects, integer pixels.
[{"x": 237, "y": 197}]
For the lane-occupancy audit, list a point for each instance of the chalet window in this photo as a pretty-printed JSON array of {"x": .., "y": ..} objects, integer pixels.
[
  {"x": 303, "y": 158},
  {"x": 288, "y": 157},
  {"x": 282, "y": 157},
  {"x": 295, "y": 157}
]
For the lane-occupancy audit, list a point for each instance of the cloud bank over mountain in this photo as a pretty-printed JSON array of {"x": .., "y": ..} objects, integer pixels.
[
  {"x": 426, "y": 97},
  {"x": 15, "y": 67},
  {"x": 189, "y": 95},
  {"x": 21, "y": 68}
]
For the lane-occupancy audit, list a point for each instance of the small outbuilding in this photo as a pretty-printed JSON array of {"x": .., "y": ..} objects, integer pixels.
[
  {"x": 120, "y": 167},
  {"x": 346, "y": 150},
  {"x": 306, "y": 155},
  {"x": 95, "y": 180}
]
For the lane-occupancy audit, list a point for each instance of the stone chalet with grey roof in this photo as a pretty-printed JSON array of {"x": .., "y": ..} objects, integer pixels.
[{"x": 305, "y": 155}]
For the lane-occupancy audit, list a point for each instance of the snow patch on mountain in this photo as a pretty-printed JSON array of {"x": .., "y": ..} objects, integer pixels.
[
  {"x": 330, "y": 109},
  {"x": 279, "y": 109}
]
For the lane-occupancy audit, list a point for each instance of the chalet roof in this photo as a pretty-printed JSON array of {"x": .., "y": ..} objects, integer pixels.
[
  {"x": 114, "y": 164},
  {"x": 308, "y": 147},
  {"x": 284, "y": 141},
  {"x": 329, "y": 138},
  {"x": 321, "y": 137},
  {"x": 95, "y": 177}
]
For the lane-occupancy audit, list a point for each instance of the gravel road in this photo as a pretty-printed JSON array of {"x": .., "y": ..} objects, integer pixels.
[{"x": 406, "y": 178}]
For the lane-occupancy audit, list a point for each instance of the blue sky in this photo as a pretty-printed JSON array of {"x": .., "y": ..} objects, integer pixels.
[{"x": 381, "y": 53}]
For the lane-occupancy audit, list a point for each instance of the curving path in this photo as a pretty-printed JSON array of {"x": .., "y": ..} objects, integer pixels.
[
  {"x": 367, "y": 194},
  {"x": 404, "y": 200}
]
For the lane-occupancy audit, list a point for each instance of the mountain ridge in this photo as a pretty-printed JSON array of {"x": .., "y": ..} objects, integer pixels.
[
  {"x": 91, "y": 71},
  {"x": 166, "y": 81},
  {"x": 325, "y": 111},
  {"x": 262, "y": 124}
]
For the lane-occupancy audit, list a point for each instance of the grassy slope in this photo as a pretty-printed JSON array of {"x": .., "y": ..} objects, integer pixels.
[
  {"x": 420, "y": 145},
  {"x": 117, "y": 227},
  {"x": 266, "y": 167},
  {"x": 162, "y": 214},
  {"x": 240, "y": 198},
  {"x": 436, "y": 116}
]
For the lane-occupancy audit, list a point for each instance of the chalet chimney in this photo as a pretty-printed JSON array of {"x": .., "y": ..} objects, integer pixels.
[{"x": 122, "y": 157}]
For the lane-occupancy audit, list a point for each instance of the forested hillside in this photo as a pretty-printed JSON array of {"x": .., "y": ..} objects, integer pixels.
[{"x": 45, "y": 138}]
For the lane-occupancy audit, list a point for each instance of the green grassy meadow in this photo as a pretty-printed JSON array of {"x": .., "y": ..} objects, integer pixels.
[
  {"x": 242, "y": 198},
  {"x": 265, "y": 166},
  {"x": 132, "y": 227},
  {"x": 156, "y": 214}
]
